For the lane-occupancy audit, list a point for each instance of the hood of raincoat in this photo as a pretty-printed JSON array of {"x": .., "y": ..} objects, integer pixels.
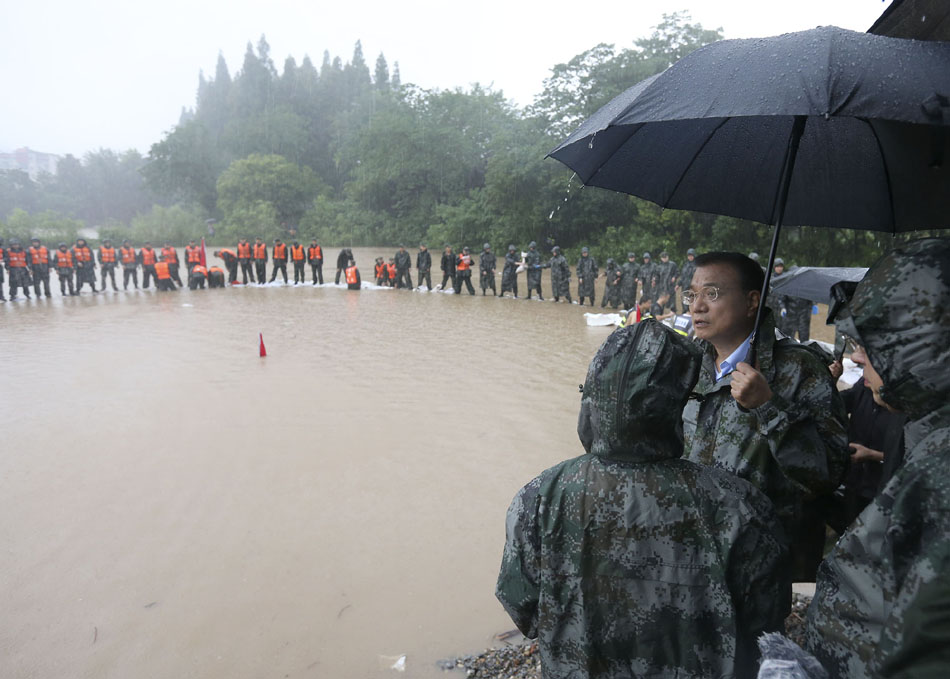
[
  {"x": 636, "y": 389},
  {"x": 900, "y": 314}
]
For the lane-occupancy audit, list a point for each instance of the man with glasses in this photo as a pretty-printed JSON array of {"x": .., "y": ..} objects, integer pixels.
[{"x": 780, "y": 423}]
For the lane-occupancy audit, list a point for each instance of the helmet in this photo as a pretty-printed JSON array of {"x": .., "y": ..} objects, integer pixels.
[
  {"x": 486, "y": 246},
  {"x": 779, "y": 261},
  {"x": 754, "y": 256},
  {"x": 664, "y": 254},
  {"x": 691, "y": 251},
  {"x": 585, "y": 250},
  {"x": 646, "y": 255},
  {"x": 61, "y": 245},
  {"x": 631, "y": 255},
  {"x": 532, "y": 244},
  {"x": 465, "y": 249},
  {"x": 556, "y": 249},
  {"x": 511, "y": 247}
]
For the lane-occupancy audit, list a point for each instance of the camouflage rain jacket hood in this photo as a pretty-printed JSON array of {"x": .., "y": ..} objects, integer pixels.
[
  {"x": 630, "y": 561},
  {"x": 882, "y": 594}
]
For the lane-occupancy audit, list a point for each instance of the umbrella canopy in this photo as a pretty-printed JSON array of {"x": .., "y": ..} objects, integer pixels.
[
  {"x": 711, "y": 133},
  {"x": 825, "y": 127},
  {"x": 814, "y": 282}
]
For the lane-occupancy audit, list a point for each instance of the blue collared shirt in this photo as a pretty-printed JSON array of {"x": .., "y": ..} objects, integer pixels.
[{"x": 736, "y": 357}]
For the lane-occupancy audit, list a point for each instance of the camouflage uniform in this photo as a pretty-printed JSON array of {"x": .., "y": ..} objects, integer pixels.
[
  {"x": 631, "y": 562},
  {"x": 612, "y": 285},
  {"x": 647, "y": 276},
  {"x": 881, "y": 601},
  {"x": 666, "y": 273},
  {"x": 560, "y": 275},
  {"x": 509, "y": 275},
  {"x": 586, "y": 274},
  {"x": 532, "y": 263},
  {"x": 486, "y": 265},
  {"x": 794, "y": 448},
  {"x": 628, "y": 285}
]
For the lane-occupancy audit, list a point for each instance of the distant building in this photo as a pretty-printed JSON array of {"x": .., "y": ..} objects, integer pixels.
[{"x": 31, "y": 162}]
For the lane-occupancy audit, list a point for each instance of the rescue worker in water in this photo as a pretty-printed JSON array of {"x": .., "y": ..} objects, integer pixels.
[
  {"x": 63, "y": 261},
  {"x": 107, "y": 263},
  {"x": 352, "y": 276},
  {"x": 130, "y": 263},
  {"x": 315, "y": 257},
  {"x": 39, "y": 264},
  {"x": 147, "y": 258},
  {"x": 169, "y": 255},
  {"x": 163, "y": 277},
  {"x": 230, "y": 261},
  {"x": 279, "y": 257},
  {"x": 197, "y": 277},
  {"x": 85, "y": 265},
  {"x": 260, "y": 259},
  {"x": 192, "y": 255},
  {"x": 244, "y": 259},
  {"x": 299, "y": 257}
]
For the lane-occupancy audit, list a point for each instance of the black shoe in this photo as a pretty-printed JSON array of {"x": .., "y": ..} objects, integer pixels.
[{"x": 541, "y": 298}]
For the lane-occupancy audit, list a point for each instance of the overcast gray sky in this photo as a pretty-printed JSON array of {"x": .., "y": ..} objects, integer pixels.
[{"x": 89, "y": 74}]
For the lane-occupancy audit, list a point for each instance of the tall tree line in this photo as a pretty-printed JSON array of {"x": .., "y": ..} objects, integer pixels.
[{"x": 353, "y": 156}]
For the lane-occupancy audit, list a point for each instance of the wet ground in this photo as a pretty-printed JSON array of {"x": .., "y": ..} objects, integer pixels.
[{"x": 175, "y": 506}]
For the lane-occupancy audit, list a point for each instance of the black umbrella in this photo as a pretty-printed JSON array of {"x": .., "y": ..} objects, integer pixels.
[
  {"x": 814, "y": 282},
  {"x": 825, "y": 127}
]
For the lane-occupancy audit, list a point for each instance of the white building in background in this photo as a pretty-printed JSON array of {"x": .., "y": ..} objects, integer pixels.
[{"x": 31, "y": 162}]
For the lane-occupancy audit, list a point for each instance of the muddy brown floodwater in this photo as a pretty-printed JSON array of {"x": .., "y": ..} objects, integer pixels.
[{"x": 175, "y": 506}]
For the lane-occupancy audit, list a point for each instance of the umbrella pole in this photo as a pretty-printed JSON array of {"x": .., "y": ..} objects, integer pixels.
[{"x": 781, "y": 198}]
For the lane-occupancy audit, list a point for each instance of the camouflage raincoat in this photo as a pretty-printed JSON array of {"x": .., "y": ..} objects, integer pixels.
[
  {"x": 794, "y": 448},
  {"x": 880, "y": 607},
  {"x": 586, "y": 274},
  {"x": 629, "y": 561},
  {"x": 560, "y": 276}
]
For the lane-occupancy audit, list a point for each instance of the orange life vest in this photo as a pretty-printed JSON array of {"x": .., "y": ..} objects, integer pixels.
[
  {"x": 280, "y": 251},
  {"x": 315, "y": 252},
  {"x": 192, "y": 254},
  {"x": 297, "y": 253},
  {"x": 148, "y": 257},
  {"x": 227, "y": 251},
  {"x": 351, "y": 273},
  {"x": 170, "y": 255},
  {"x": 216, "y": 269},
  {"x": 83, "y": 254},
  {"x": 381, "y": 270},
  {"x": 39, "y": 255},
  {"x": 464, "y": 263},
  {"x": 391, "y": 268},
  {"x": 128, "y": 255},
  {"x": 199, "y": 269},
  {"x": 16, "y": 259},
  {"x": 260, "y": 251},
  {"x": 107, "y": 255},
  {"x": 161, "y": 271},
  {"x": 64, "y": 260},
  {"x": 244, "y": 251}
]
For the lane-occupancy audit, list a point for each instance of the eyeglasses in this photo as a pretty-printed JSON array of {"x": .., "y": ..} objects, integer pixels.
[{"x": 710, "y": 293}]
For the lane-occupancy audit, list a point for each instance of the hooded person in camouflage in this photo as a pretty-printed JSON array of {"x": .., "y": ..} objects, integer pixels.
[
  {"x": 560, "y": 275},
  {"x": 586, "y": 275},
  {"x": 612, "y": 286},
  {"x": 628, "y": 284},
  {"x": 629, "y": 561},
  {"x": 881, "y": 601},
  {"x": 509, "y": 274},
  {"x": 780, "y": 425},
  {"x": 532, "y": 263}
]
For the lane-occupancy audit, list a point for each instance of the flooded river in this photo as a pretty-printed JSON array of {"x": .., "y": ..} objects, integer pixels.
[{"x": 175, "y": 506}]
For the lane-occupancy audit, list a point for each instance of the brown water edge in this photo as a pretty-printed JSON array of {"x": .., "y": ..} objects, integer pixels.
[{"x": 175, "y": 506}]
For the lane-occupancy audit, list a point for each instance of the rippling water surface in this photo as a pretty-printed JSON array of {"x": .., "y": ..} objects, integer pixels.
[{"x": 175, "y": 506}]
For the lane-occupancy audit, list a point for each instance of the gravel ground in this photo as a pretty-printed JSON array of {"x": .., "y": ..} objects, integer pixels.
[{"x": 521, "y": 660}]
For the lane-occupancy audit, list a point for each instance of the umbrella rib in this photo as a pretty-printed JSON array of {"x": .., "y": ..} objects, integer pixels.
[
  {"x": 887, "y": 174},
  {"x": 695, "y": 155}
]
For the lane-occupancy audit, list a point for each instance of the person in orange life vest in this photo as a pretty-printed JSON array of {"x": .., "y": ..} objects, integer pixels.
[
  {"x": 85, "y": 265},
  {"x": 108, "y": 257},
  {"x": 63, "y": 261},
  {"x": 298, "y": 255},
  {"x": 15, "y": 258},
  {"x": 38, "y": 256},
  {"x": 147, "y": 258},
  {"x": 259, "y": 251},
  {"x": 230, "y": 261},
  {"x": 163, "y": 277},
  {"x": 197, "y": 277},
  {"x": 353, "y": 276},
  {"x": 463, "y": 272},
  {"x": 392, "y": 272},
  {"x": 215, "y": 277},
  {"x": 315, "y": 257},
  {"x": 130, "y": 263},
  {"x": 170, "y": 257},
  {"x": 382, "y": 275},
  {"x": 244, "y": 260},
  {"x": 280, "y": 260},
  {"x": 192, "y": 255}
]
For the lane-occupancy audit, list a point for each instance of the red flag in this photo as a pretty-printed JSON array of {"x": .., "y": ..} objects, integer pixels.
[
  {"x": 203, "y": 259},
  {"x": 263, "y": 350}
]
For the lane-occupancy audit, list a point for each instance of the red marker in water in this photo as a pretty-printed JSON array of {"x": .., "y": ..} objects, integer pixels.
[{"x": 263, "y": 350}]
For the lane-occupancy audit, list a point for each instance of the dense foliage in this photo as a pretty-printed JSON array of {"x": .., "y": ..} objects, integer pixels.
[{"x": 353, "y": 156}]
